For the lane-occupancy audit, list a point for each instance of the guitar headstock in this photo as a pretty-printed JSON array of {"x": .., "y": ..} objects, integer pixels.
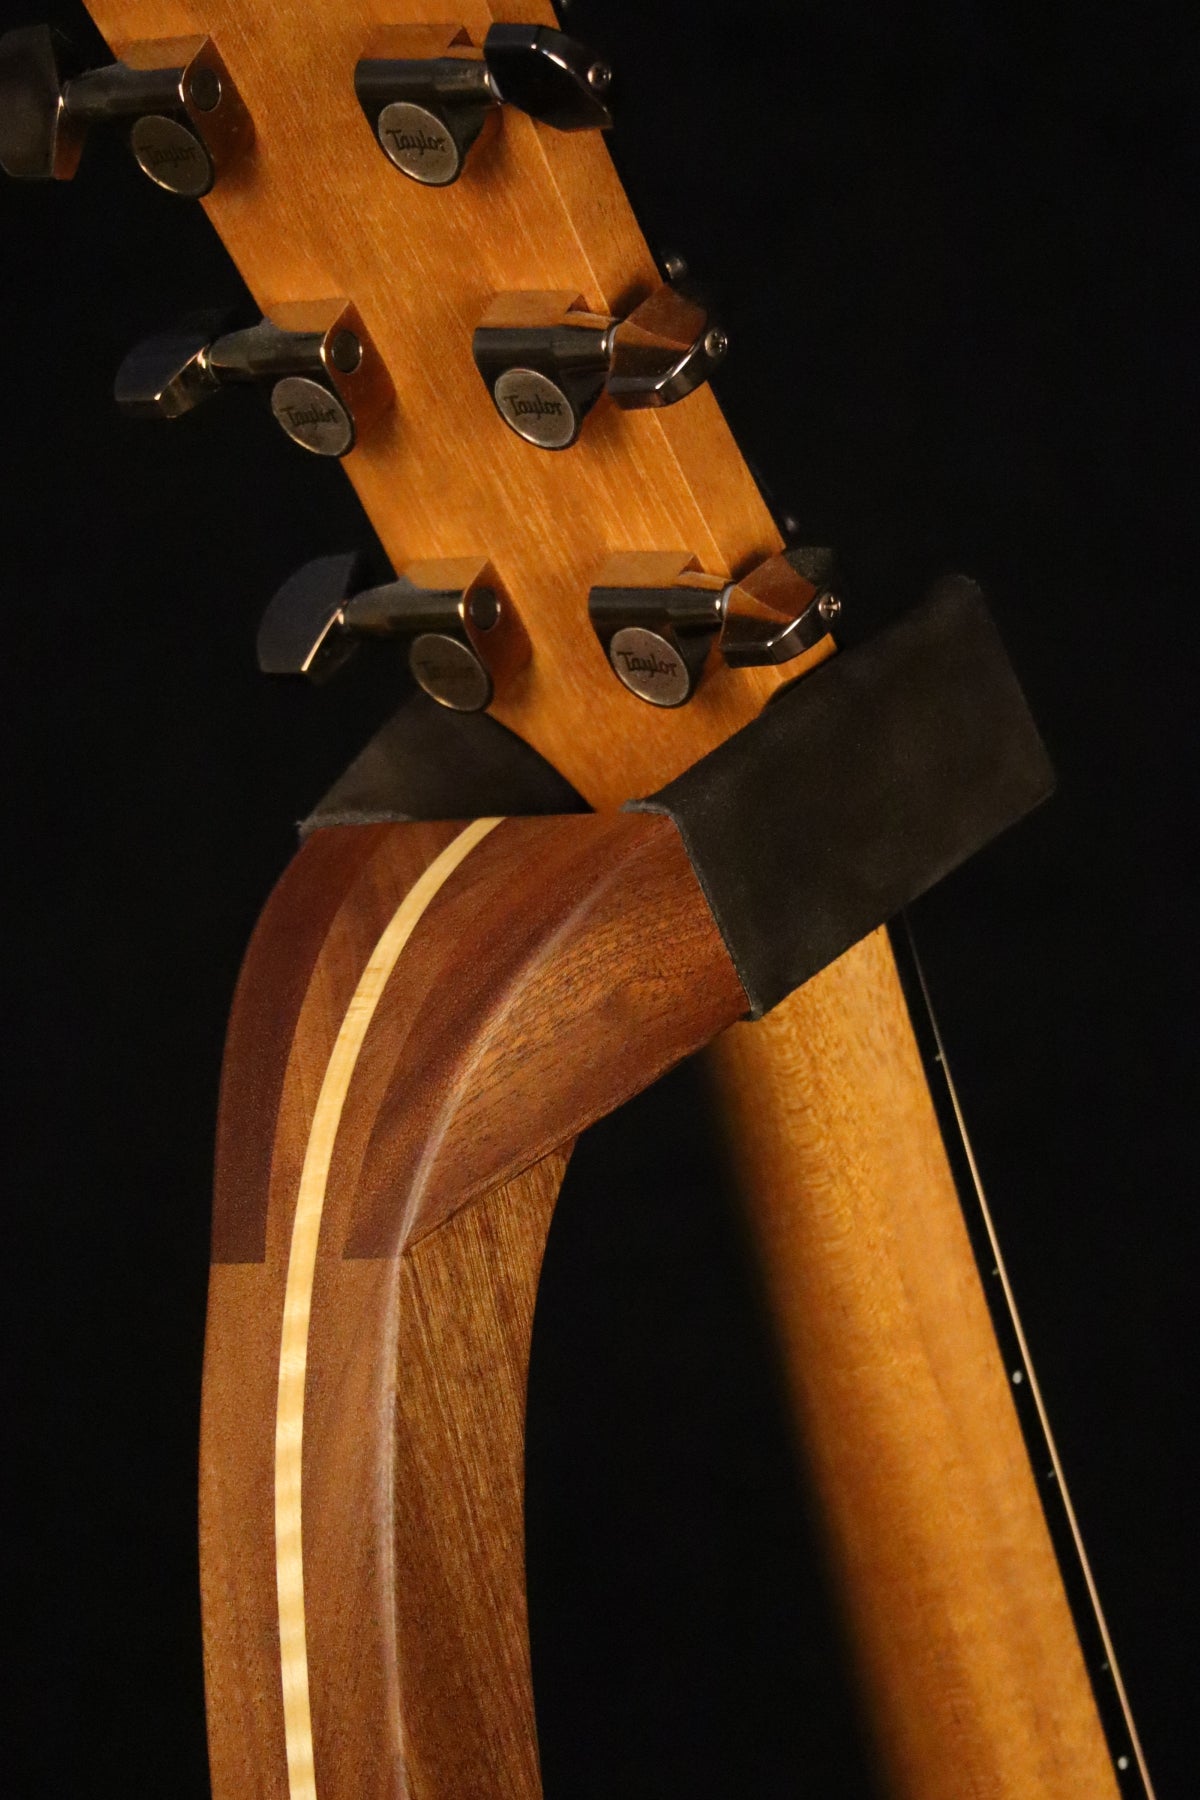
[{"x": 467, "y": 301}]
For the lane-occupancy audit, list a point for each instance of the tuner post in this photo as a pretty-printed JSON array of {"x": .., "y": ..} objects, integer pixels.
[
  {"x": 464, "y": 637},
  {"x": 186, "y": 120},
  {"x": 546, "y": 360},
  {"x": 430, "y": 96},
  {"x": 326, "y": 381},
  {"x": 660, "y": 618}
]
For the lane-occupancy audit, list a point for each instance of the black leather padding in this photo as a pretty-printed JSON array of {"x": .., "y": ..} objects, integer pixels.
[
  {"x": 430, "y": 763},
  {"x": 858, "y": 789}
]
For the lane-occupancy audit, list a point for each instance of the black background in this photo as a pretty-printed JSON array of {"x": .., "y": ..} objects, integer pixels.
[{"x": 955, "y": 247}]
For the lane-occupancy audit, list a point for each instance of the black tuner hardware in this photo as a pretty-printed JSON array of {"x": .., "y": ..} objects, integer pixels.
[
  {"x": 463, "y": 634},
  {"x": 429, "y": 94},
  {"x": 659, "y": 617},
  {"x": 186, "y": 121},
  {"x": 546, "y": 360},
  {"x": 326, "y": 380}
]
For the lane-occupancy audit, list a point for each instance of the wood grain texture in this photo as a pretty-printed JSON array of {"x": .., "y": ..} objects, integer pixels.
[
  {"x": 964, "y": 1635},
  {"x": 362, "y": 1557},
  {"x": 316, "y": 211},
  {"x": 573, "y": 997},
  {"x": 307, "y": 1220},
  {"x": 279, "y": 1045},
  {"x": 972, "y": 1669},
  {"x": 418, "y": 1642}
]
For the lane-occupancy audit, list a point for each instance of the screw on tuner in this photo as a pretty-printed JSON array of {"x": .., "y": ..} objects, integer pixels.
[
  {"x": 326, "y": 381},
  {"x": 186, "y": 121},
  {"x": 462, "y": 631},
  {"x": 546, "y": 360},
  {"x": 659, "y": 617},
  {"x": 430, "y": 96}
]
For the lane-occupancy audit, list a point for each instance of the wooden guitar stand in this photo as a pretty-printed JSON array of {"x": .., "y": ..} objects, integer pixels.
[
  {"x": 394, "y": 1129},
  {"x": 428, "y": 1015}
]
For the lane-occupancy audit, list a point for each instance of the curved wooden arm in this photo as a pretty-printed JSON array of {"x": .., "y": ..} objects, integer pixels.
[{"x": 426, "y": 1014}]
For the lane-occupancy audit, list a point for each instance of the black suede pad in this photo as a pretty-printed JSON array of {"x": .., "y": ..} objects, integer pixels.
[
  {"x": 858, "y": 789},
  {"x": 429, "y": 763}
]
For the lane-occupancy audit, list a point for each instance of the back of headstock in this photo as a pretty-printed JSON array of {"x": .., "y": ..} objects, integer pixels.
[{"x": 315, "y": 212}]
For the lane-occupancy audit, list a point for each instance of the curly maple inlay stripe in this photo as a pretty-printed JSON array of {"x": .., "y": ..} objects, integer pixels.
[{"x": 293, "y": 1351}]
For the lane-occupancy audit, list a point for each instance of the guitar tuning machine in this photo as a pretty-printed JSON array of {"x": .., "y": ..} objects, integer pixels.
[
  {"x": 546, "y": 360},
  {"x": 659, "y": 617},
  {"x": 187, "y": 122},
  {"x": 326, "y": 379},
  {"x": 430, "y": 95},
  {"x": 464, "y": 636}
]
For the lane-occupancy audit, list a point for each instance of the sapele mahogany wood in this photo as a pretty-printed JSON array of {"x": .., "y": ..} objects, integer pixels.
[
  {"x": 321, "y": 926},
  {"x": 418, "y": 1645},
  {"x": 316, "y": 211},
  {"x": 405, "y": 1650},
  {"x": 970, "y": 1660},
  {"x": 308, "y": 1224}
]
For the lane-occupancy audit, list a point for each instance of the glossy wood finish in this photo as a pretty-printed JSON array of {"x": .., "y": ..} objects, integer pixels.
[
  {"x": 363, "y": 1567},
  {"x": 965, "y": 1640}
]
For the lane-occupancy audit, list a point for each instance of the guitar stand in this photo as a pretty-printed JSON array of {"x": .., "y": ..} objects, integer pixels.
[{"x": 428, "y": 1015}]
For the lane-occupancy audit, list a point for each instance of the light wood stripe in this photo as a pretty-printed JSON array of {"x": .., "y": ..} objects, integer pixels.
[{"x": 293, "y": 1351}]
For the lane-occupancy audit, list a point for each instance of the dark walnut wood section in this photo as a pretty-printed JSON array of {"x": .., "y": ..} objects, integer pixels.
[{"x": 552, "y": 970}]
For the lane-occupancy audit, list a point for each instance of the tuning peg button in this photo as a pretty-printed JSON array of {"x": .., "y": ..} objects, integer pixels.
[
  {"x": 666, "y": 348},
  {"x": 186, "y": 120},
  {"x": 659, "y": 617},
  {"x": 326, "y": 381},
  {"x": 780, "y": 610},
  {"x": 463, "y": 634},
  {"x": 546, "y": 360},
  {"x": 430, "y": 95},
  {"x": 552, "y": 77}
]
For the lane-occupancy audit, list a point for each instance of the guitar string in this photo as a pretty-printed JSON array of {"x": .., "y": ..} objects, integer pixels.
[
  {"x": 1140, "y": 1772},
  {"x": 297, "y": 1306}
]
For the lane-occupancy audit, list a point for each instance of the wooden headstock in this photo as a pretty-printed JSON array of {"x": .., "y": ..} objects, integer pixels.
[{"x": 316, "y": 210}]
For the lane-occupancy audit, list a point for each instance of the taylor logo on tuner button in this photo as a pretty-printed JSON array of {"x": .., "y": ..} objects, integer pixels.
[
  {"x": 649, "y": 666},
  {"x": 313, "y": 416},
  {"x": 536, "y": 409},
  {"x": 171, "y": 155},
  {"x": 450, "y": 672},
  {"x": 418, "y": 143}
]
